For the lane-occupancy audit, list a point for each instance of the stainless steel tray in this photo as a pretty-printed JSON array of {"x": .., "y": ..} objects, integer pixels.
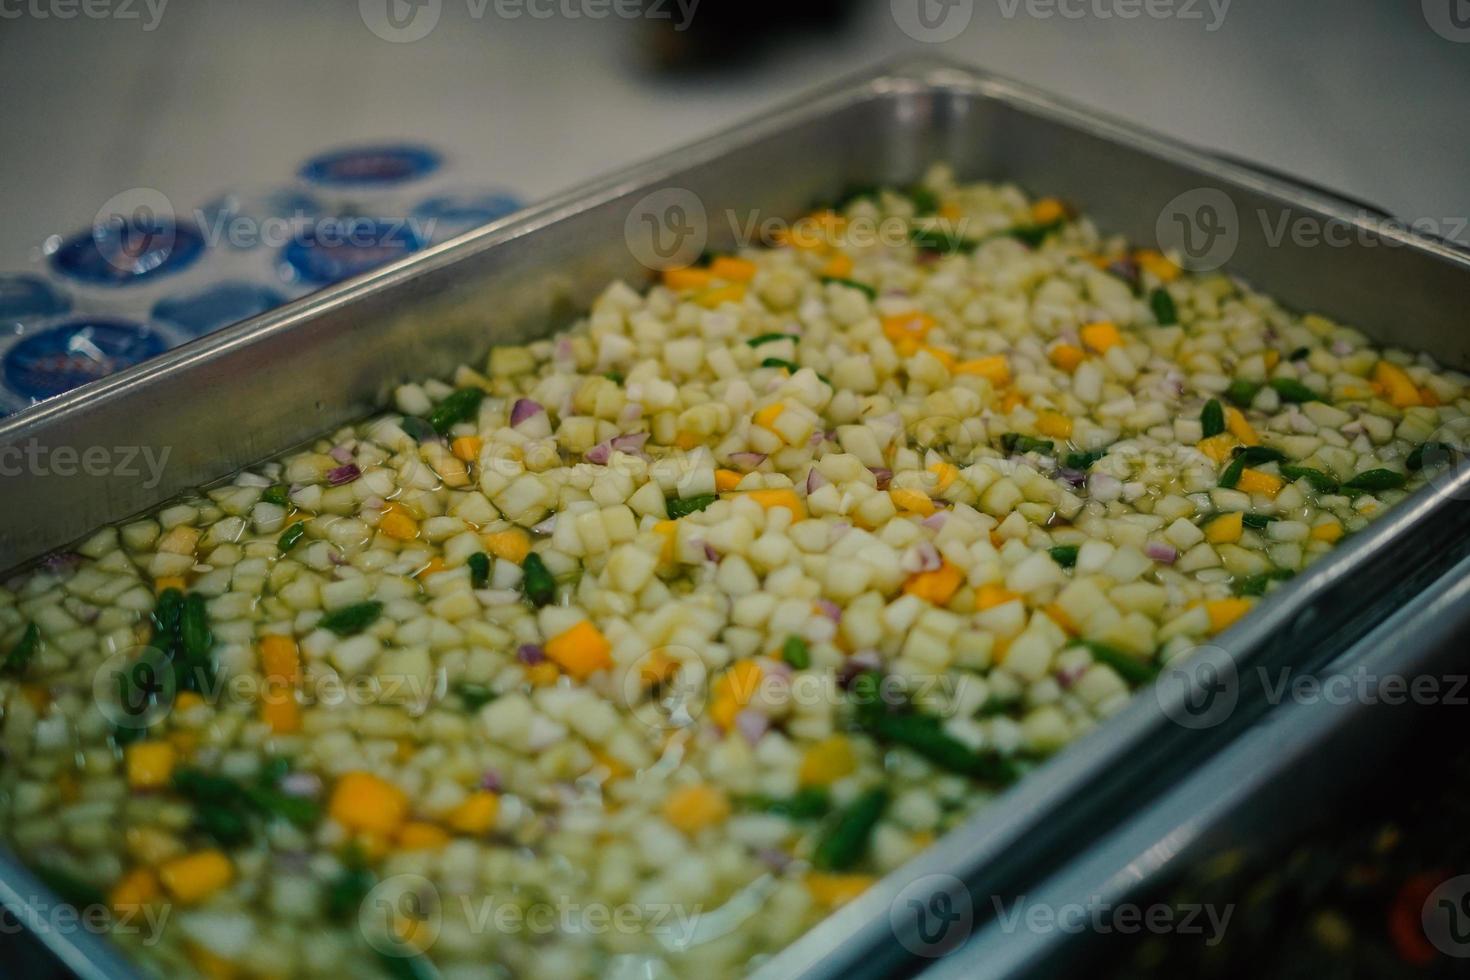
[
  {"x": 272, "y": 382},
  {"x": 1263, "y": 789}
]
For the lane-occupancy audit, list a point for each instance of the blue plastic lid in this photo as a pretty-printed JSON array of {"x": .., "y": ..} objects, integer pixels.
[
  {"x": 126, "y": 252},
  {"x": 371, "y": 166},
  {"x": 467, "y": 209},
  {"x": 24, "y": 297},
  {"x": 217, "y": 306},
  {"x": 73, "y": 353},
  {"x": 330, "y": 251}
]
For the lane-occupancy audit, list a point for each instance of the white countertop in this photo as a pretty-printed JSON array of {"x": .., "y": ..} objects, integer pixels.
[{"x": 1364, "y": 97}]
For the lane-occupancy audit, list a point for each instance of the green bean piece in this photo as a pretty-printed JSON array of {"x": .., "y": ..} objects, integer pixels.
[
  {"x": 1257, "y": 455},
  {"x": 280, "y": 495},
  {"x": 1231, "y": 477},
  {"x": 796, "y": 653},
  {"x": 1083, "y": 460},
  {"x": 20, "y": 655},
  {"x": 1257, "y": 585},
  {"x": 1014, "y": 442},
  {"x": 460, "y": 406},
  {"x": 1163, "y": 307},
  {"x": 1242, "y": 393},
  {"x": 806, "y": 804},
  {"x": 1292, "y": 390},
  {"x": 1319, "y": 481},
  {"x": 194, "y": 628},
  {"x": 926, "y": 202},
  {"x": 291, "y": 536},
  {"x": 947, "y": 243},
  {"x": 1129, "y": 667},
  {"x": 1065, "y": 555},
  {"x": 74, "y": 891},
  {"x": 770, "y": 338},
  {"x": 1258, "y": 521},
  {"x": 1429, "y": 454},
  {"x": 1034, "y": 235},
  {"x": 861, "y": 287},
  {"x": 846, "y": 841},
  {"x": 776, "y": 362},
  {"x": 347, "y": 891},
  {"x": 684, "y": 506},
  {"x": 1212, "y": 418},
  {"x": 1373, "y": 481},
  {"x": 479, "y": 564},
  {"x": 537, "y": 581},
  {"x": 925, "y": 735},
  {"x": 474, "y": 696},
  {"x": 352, "y": 619},
  {"x": 1300, "y": 354}
]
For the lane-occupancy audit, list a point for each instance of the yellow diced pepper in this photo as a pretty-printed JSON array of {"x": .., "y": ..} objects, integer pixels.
[
  {"x": 1236, "y": 424},
  {"x": 1254, "y": 481},
  {"x": 912, "y": 501},
  {"x": 580, "y": 651},
  {"x": 1101, "y": 336},
  {"x": 467, "y": 448},
  {"x": 669, "y": 531},
  {"x": 166, "y": 582},
  {"x": 416, "y": 835},
  {"x": 687, "y": 278},
  {"x": 1225, "y": 529},
  {"x": 726, "y": 480},
  {"x": 1054, "y": 424},
  {"x": 1067, "y": 357},
  {"x": 544, "y": 674},
  {"x": 720, "y": 295},
  {"x": 1158, "y": 264},
  {"x": 938, "y": 586},
  {"x": 1048, "y": 210},
  {"x": 766, "y": 417},
  {"x": 1398, "y": 387},
  {"x": 398, "y": 525},
  {"x": 990, "y": 596},
  {"x": 362, "y": 801},
  {"x": 908, "y": 327},
  {"x": 133, "y": 890},
  {"x": 194, "y": 877},
  {"x": 1224, "y": 612},
  {"x": 434, "y": 567},
  {"x": 280, "y": 657},
  {"x": 1331, "y": 532},
  {"x": 692, "y": 808},
  {"x": 832, "y": 890},
  {"x": 733, "y": 690},
  {"x": 476, "y": 815},
  {"x": 512, "y": 545},
  {"x": 1218, "y": 447},
  {"x": 945, "y": 474},
  {"x": 280, "y": 711},
  {"x": 995, "y": 369},
  {"x": 941, "y": 355},
  {"x": 780, "y": 498},
  {"x": 729, "y": 268},
  {"x": 826, "y": 762},
  {"x": 150, "y": 764},
  {"x": 838, "y": 267}
]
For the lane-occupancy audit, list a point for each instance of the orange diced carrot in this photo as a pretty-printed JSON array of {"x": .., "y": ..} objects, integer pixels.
[
  {"x": 990, "y": 596},
  {"x": 434, "y": 567},
  {"x": 1048, "y": 210},
  {"x": 1225, "y": 529},
  {"x": 150, "y": 764},
  {"x": 362, "y": 801},
  {"x": 912, "y": 501},
  {"x": 165, "y": 582},
  {"x": 766, "y": 417},
  {"x": 1331, "y": 532},
  {"x": 1224, "y": 612},
  {"x": 945, "y": 474},
  {"x": 1067, "y": 357},
  {"x": 398, "y": 525},
  {"x": 669, "y": 531},
  {"x": 938, "y": 586},
  {"x": 1218, "y": 447},
  {"x": 732, "y": 269},
  {"x": 1101, "y": 336},
  {"x": 512, "y": 545},
  {"x": 194, "y": 877},
  {"x": 727, "y": 480},
  {"x": 580, "y": 651},
  {"x": 544, "y": 674},
  {"x": 780, "y": 498},
  {"x": 1398, "y": 387},
  {"x": 941, "y": 355},
  {"x": 692, "y": 808},
  {"x": 832, "y": 890},
  {"x": 416, "y": 835},
  {"x": 720, "y": 295},
  {"x": 1158, "y": 264},
  {"x": 1236, "y": 423},
  {"x": 1054, "y": 424},
  {"x": 995, "y": 369},
  {"x": 838, "y": 267},
  {"x": 476, "y": 815},
  {"x": 467, "y": 448},
  {"x": 1254, "y": 481},
  {"x": 280, "y": 657},
  {"x": 913, "y": 327},
  {"x": 687, "y": 278},
  {"x": 137, "y": 888}
]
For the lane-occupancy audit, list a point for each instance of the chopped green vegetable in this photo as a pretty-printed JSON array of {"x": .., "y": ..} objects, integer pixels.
[
  {"x": 796, "y": 653},
  {"x": 1374, "y": 480},
  {"x": 1242, "y": 393},
  {"x": 1320, "y": 481},
  {"x": 926, "y": 202},
  {"x": 1258, "y": 521},
  {"x": 346, "y": 892},
  {"x": 1014, "y": 442},
  {"x": 861, "y": 287},
  {"x": 616, "y": 377},
  {"x": 1301, "y": 353},
  {"x": 684, "y": 506},
  {"x": 925, "y": 735},
  {"x": 1256, "y": 585},
  {"x": 853, "y": 194},
  {"x": 1065, "y": 555},
  {"x": 413, "y": 966},
  {"x": 807, "y": 803},
  {"x": 1248, "y": 456},
  {"x": 474, "y": 696},
  {"x": 20, "y": 655},
  {"x": 479, "y": 564},
  {"x": 1034, "y": 235},
  {"x": 351, "y": 619},
  {"x": 1212, "y": 418},
  {"x": 776, "y": 362},
  {"x": 455, "y": 408},
  {"x": 280, "y": 494},
  {"x": 291, "y": 536},
  {"x": 537, "y": 581},
  {"x": 1083, "y": 460},
  {"x": 846, "y": 841},
  {"x": 1429, "y": 454},
  {"x": 191, "y": 657},
  {"x": 76, "y": 892},
  {"x": 1292, "y": 390},
  {"x": 1129, "y": 667},
  {"x": 1163, "y": 307},
  {"x": 768, "y": 338}
]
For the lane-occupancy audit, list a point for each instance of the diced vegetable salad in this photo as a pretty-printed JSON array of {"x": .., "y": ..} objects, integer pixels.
[{"x": 640, "y": 649}]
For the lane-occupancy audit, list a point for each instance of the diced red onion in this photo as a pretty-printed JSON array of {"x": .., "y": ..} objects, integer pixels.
[
  {"x": 1073, "y": 477},
  {"x": 883, "y": 475},
  {"x": 599, "y": 454},
  {"x": 631, "y": 443},
  {"x": 375, "y": 503},
  {"x": 1126, "y": 270},
  {"x": 816, "y": 438},
  {"x": 747, "y": 460},
  {"x": 936, "y": 520},
  {"x": 752, "y": 725},
  {"x": 547, "y": 526},
  {"x": 336, "y": 557},
  {"x": 1341, "y": 348},
  {"x": 301, "y": 784},
  {"x": 523, "y": 409},
  {"x": 921, "y": 557},
  {"x": 341, "y": 454},
  {"x": 774, "y": 858},
  {"x": 632, "y": 412},
  {"x": 343, "y": 475},
  {"x": 490, "y": 781},
  {"x": 61, "y": 562},
  {"x": 1161, "y": 552},
  {"x": 1066, "y": 678},
  {"x": 530, "y": 653},
  {"x": 815, "y": 480},
  {"x": 830, "y": 609}
]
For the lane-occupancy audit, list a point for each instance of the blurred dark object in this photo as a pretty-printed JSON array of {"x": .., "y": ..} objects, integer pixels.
[
  {"x": 701, "y": 35},
  {"x": 23, "y": 957}
]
